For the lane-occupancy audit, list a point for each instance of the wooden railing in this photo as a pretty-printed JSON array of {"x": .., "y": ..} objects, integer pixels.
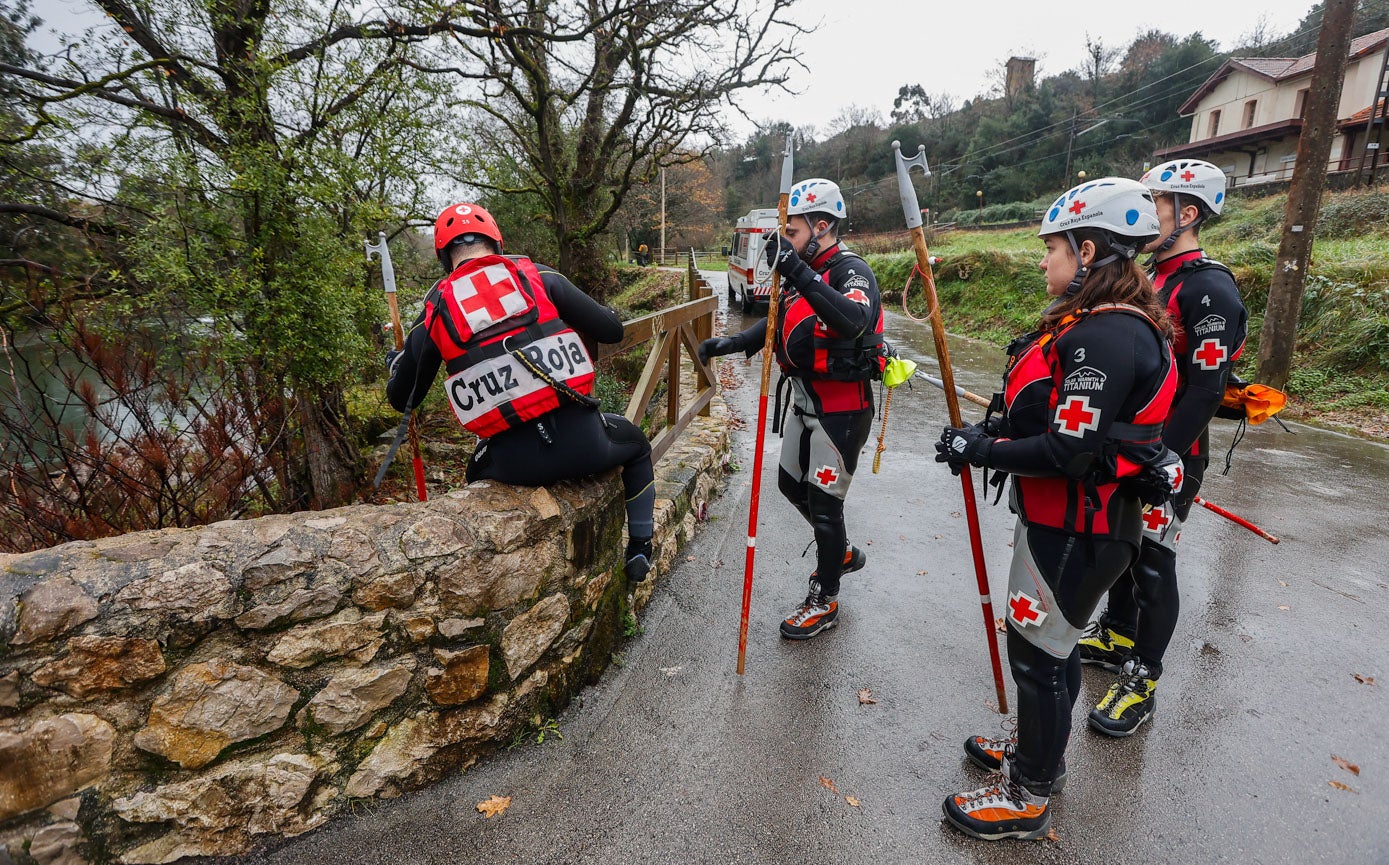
[{"x": 672, "y": 329}]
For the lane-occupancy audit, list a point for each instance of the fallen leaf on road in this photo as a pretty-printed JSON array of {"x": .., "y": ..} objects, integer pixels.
[
  {"x": 1284, "y": 607},
  {"x": 937, "y": 537},
  {"x": 921, "y": 573},
  {"x": 1000, "y": 626},
  {"x": 852, "y": 801},
  {"x": 690, "y": 558},
  {"x": 1283, "y": 584},
  {"x": 955, "y": 514},
  {"x": 1339, "y": 786},
  {"x": 1364, "y": 680},
  {"x": 1345, "y": 764},
  {"x": 1051, "y": 835},
  {"x": 865, "y": 697},
  {"x": 494, "y": 806},
  {"x": 901, "y": 537},
  {"x": 671, "y": 671},
  {"x": 828, "y": 785}
]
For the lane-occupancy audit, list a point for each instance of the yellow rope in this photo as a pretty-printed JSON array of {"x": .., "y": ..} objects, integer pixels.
[{"x": 878, "y": 456}]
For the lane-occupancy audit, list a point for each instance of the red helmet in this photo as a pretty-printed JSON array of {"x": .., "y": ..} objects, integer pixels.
[{"x": 460, "y": 219}]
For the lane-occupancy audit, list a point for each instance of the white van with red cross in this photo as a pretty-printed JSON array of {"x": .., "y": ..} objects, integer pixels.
[{"x": 749, "y": 277}]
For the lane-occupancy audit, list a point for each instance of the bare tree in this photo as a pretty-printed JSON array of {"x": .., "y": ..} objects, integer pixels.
[
  {"x": 575, "y": 126},
  {"x": 240, "y": 148}
]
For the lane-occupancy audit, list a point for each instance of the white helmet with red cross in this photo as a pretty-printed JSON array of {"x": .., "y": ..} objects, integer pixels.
[
  {"x": 1189, "y": 177},
  {"x": 1120, "y": 206},
  {"x": 816, "y": 195}
]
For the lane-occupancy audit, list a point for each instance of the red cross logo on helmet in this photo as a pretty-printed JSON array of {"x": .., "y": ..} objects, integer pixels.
[
  {"x": 810, "y": 197},
  {"x": 825, "y": 476},
  {"x": 1076, "y": 417},
  {"x": 1188, "y": 176},
  {"x": 1076, "y": 207},
  {"x": 1024, "y": 609}
]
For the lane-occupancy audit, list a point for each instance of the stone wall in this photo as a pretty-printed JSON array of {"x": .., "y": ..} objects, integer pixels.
[{"x": 181, "y": 692}]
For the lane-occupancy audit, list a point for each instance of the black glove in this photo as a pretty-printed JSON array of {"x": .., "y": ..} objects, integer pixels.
[
  {"x": 779, "y": 251},
  {"x": 717, "y": 346},
  {"x": 393, "y": 360},
  {"x": 962, "y": 446}
]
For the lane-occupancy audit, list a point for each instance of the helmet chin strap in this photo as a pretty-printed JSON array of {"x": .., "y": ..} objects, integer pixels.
[
  {"x": 812, "y": 247},
  {"x": 1083, "y": 270},
  {"x": 1171, "y": 239}
]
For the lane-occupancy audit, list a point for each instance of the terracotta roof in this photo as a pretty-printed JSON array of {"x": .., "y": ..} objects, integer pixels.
[
  {"x": 1280, "y": 68},
  {"x": 1361, "y": 117},
  {"x": 1269, "y": 67}
]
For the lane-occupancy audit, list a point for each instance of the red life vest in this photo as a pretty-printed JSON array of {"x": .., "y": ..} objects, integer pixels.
[
  {"x": 501, "y": 339},
  {"x": 1060, "y": 502},
  {"x": 807, "y": 349}
]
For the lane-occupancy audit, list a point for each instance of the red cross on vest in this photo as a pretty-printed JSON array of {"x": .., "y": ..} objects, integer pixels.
[
  {"x": 1076, "y": 417},
  {"x": 1187, "y": 175},
  {"x": 825, "y": 476},
  {"x": 1210, "y": 354},
  {"x": 1076, "y": 207},
  {"x": 1023, "y": 609},
  {"x": 488, "y": 296},
  {"x": 1156, "y": 519}
]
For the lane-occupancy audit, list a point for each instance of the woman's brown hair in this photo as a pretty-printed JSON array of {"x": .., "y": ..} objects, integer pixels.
[{"x": 1121, "y": 281}]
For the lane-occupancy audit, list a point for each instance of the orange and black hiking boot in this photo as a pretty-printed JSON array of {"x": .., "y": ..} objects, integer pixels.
[
  {"x": 1001, "y": 809},
  {"x": 854, "y": 560},
  {"x": 987, "y": 753},
  {"x": 816, "y": 613}
]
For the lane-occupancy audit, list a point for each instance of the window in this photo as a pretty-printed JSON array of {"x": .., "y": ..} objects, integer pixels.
[
  {"x": 1249, "y": 108},
  {"x": 1300, "y": 106},
  {"x": 1213, "y": 127}
]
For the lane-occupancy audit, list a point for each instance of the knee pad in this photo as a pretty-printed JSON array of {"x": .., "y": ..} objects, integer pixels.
[
  {"x": 1155, "y": 571},
  {"x": 794, "y": 491},
  {"x": 825, "y": 510}
]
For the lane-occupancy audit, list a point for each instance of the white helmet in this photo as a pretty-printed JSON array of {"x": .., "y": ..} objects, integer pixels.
[
  {"x": 1189, "y": 177},
  {"x": 817, "y": 195},
  {"x": 1118, "y": 205}
]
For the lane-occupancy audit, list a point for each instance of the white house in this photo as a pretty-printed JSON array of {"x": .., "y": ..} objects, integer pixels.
[{"x": 1246, "y": 118}]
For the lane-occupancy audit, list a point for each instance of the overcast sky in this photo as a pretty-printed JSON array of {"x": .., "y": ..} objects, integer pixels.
[{"x": 863, "y": 50}]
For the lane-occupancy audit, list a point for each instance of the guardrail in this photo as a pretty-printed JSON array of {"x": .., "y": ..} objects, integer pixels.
[{"x": 685, "y": 326}]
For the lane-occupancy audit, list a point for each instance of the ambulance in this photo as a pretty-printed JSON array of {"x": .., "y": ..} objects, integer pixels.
[{"x": 749, "y": 277}]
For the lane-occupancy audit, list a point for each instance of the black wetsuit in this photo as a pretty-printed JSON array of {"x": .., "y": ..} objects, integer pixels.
[
  {"x": 1068, "y": 401},
  {"x": 831, "y": 413},
  {"x": 1209, "y": 320}
]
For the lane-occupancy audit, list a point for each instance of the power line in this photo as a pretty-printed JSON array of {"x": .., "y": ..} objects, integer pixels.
[{"x": 998, "y": 148}]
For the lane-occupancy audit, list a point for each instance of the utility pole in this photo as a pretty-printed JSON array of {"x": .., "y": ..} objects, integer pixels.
[
  {"x": 663, "y": 216},
  {"x": 1070, "y": 143},
  {"x": 1278, "y": 337}
]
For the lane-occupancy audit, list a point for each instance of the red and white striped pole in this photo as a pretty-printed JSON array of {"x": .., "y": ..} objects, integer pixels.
[{"x": 767, "y": 351}]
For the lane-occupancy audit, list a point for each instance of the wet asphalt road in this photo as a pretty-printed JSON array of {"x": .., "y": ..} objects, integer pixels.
[{"x": 675, "y": 758}]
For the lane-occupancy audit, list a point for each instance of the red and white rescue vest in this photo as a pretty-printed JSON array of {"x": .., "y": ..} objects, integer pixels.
[
  {"x": 1058, "y": 502},
  {"x": 480, "y": 316}
]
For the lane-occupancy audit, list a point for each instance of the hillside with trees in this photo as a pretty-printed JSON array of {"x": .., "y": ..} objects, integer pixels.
[{"x": 1019, "y": 146}]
